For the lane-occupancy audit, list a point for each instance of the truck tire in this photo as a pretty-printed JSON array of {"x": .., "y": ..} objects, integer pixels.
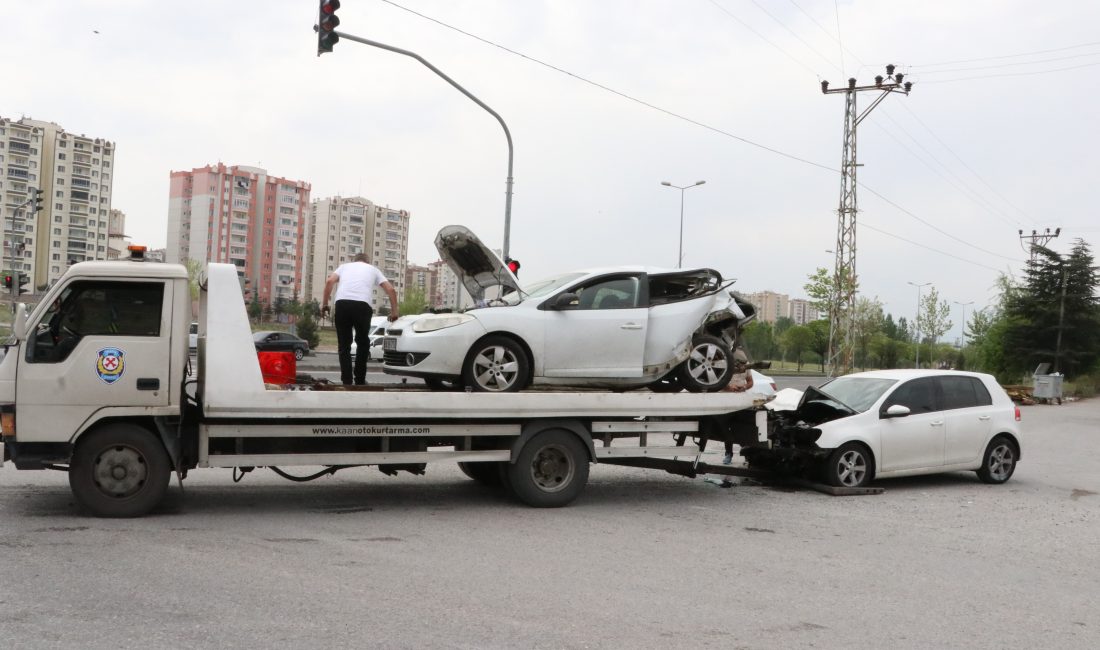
[
  {"x": 120, "y": 470},
  {"x": 551, "y": 470},
  {"x": 484, "y": 473},
  {"x": 709, "y": 367}
]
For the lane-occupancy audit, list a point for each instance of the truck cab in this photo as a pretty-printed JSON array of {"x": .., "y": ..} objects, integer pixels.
[{"x": 108, "y": 341}]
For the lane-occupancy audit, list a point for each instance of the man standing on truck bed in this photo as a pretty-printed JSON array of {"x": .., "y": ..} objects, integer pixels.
[{"x": 357, "y": 280}]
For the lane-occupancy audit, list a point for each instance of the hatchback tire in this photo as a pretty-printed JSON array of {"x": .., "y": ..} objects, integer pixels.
[
  {"x": 709, "y": 366},
  {"x": 850, "y": 465},
  {"x": 496, "y": 364},
  {"x": 998, "y": 461}
]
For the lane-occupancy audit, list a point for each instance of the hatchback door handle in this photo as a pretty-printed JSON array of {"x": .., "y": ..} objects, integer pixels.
[
  {"x": 937, "y": 423},
  {"x": 631, "y": 326},
  {"x": 983, "y": 417}
]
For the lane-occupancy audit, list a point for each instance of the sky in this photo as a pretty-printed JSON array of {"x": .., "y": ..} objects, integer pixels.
[{"x": 999, "y": 134}]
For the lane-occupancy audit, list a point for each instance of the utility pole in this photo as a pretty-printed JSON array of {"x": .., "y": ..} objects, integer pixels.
[
  {"x": 1061, "y": 319},
  {"x": 1037, "y": 238},
  {"x": 844, "y": 270}
]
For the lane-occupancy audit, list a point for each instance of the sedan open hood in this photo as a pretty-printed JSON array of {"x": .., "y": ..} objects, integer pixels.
[{"x": 475, "y": 264}]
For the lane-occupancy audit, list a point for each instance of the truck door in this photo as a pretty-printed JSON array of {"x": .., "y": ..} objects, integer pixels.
[{"x": 101, "y": 343}]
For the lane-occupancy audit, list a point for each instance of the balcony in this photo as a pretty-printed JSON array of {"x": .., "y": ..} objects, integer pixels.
[
  {"x": 76, "y": 195},
  {"x": 22, "y": 147}
]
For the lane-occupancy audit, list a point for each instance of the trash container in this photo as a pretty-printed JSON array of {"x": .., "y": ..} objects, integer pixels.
[{"x": 1047, "y": 387}]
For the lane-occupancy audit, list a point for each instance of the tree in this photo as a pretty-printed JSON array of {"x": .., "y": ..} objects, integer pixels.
[
  {"x": 782, "y": 324},
  {"x": 194, "y": 272},
  {"x": 820, "y": 342},
  {"x": 415, "y": 302},
  {"x": 759, "y": 340},
  {"x": 932, "y": 319},
  {"x": 1055, "y": 314},
  {"x": 867, "y": 321},
  {"x": 796, "y": 341},
  {"x": 307, "y": 329},
  {"x": 255, "y": 309}
]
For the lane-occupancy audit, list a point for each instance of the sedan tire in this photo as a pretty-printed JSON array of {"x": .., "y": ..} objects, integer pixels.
[
  {"x": 998, "y": 461},
  {"x": 496, "y": 364},
  {"x": 709, "y": 366},
  {"x": 850, "y": 465},
  {"x": 299, "y": 353}
]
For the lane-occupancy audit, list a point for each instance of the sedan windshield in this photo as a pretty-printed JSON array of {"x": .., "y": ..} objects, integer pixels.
[
  {"x": 541, "y": 288},
  {"x": 859, "y": 393}
]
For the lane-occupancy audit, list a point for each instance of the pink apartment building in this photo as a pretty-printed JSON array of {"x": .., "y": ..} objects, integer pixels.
[{"x": 243, "y": 216}]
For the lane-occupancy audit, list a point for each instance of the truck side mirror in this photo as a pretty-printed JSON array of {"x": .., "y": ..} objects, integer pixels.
[{"x": 19, "y": 326}]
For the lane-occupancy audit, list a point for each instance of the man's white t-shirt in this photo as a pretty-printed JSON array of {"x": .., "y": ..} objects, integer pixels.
[{"x": 357, "y": 281}]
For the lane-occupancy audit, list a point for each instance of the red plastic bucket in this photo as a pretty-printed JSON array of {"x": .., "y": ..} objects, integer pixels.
[{"x": 278, "y": 367}]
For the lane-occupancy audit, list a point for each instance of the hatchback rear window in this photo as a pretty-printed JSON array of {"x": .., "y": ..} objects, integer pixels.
[{"x": 963, "y": 392}]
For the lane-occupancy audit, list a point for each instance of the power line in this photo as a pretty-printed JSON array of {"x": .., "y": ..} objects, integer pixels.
[
  {"x": 758, "y": 35},
  {"x": 934, "y": 250},
  {"x": 1007, "y": 56},
  {"x": 963, "y": 163},
  {"x": 616, "y": 92},
  {"x": 800, "y": 40},
  {"x": 1011, "y": 74},
  {"x": 1004, "y": 65},
  {"x": 965, "y": 189},
  {"x": 680, "y": 117}
]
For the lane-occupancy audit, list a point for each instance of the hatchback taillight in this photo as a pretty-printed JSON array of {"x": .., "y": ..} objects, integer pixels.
[{"x": 1017, "y": 413}]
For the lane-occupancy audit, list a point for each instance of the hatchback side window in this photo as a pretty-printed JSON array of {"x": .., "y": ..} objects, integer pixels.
[
  {"x": 919, "y": 395},
  {"x": 963, "y": 392},
  {"x": 609, "y": 293}
]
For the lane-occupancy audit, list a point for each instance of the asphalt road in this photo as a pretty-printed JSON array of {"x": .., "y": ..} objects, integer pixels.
[{"x": 642, "y": 560}]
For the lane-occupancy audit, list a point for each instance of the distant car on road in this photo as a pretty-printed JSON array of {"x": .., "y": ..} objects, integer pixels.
[
  {"x": 377, "y": 331},
  {"x": 281, "y": 342},
  {"x": 890, "y": 423}
]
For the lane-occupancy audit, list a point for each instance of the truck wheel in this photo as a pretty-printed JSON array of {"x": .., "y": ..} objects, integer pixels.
[
  {"x": 121, "y": 470},
  {"x": 551, "y": 470},
  {"x": 496, "y": 364},
  {"x": 999, "y": 461},
  {"x": 709, "y": 367},
  {"x": 484, "y": 473}
]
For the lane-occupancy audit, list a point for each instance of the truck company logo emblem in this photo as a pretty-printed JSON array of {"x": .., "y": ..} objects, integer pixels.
[{"x": 109, "y": 364}]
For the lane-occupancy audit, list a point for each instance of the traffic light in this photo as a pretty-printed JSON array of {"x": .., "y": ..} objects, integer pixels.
[
  {"x": 7, "y": 280},
  {"x": 513, "y": 265},
  {"x": 327, "y": 22},
  {"x": 22, "y": 283},
  {"x": 37, "y": 200}
]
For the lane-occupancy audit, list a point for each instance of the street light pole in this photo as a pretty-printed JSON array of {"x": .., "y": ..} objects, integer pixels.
[
  {"x": 918, "y": 286},
  {"x": 459, "y": 88},
  {"x": 680, "y": 254},
  {"x": 962, "y": 338}
]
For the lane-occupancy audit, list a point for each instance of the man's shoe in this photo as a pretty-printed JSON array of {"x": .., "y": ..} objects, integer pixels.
[{"x": 727, "y": 459}]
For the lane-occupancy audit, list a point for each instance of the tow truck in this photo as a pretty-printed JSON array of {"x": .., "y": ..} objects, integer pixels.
[{"x": 96, "y": 381}]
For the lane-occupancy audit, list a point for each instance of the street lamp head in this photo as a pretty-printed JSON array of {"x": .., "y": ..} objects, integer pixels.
[
  {"x": 700, "y": 182},
  {"x": 666, "y": 183}
]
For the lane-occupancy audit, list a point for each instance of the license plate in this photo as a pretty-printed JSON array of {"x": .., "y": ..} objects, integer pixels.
[{"x": 389, "y": 343}]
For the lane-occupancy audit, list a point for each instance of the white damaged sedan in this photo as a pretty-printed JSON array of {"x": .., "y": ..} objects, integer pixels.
[{"x": 621, "y": 327}]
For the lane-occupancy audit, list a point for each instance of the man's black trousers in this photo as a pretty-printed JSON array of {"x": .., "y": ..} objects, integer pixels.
[{"x": 352, "y": 315}]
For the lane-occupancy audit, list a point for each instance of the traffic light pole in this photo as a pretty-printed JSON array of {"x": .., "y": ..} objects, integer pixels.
[
  {"x": 507, "y": 133},
  {"x": 14, "y": 292}
]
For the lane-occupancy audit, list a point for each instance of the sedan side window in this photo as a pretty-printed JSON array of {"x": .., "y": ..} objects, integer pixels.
[
  {"x": 919, "y": 395},
  {"x": 609, "y": 293}
]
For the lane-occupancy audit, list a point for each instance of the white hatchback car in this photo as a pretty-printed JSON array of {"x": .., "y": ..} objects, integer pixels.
[
  {"x": 622, "y": 327},
  {"x": 890, "y": 423}
]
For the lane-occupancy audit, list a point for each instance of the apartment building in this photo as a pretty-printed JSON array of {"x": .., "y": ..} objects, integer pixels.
[
  {"x": 75, "y": 174},
  {"x": 342, "y": 227},
  {"x": 771, "y": 306},
  {"x": 243, "y": 216},
  {"x": 117, "y": 240},
  {"x": 445, "y": 290}
]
